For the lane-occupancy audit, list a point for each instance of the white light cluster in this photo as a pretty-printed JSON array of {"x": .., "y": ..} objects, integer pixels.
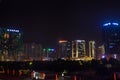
[
  {"x": 107, "y": 24},
  {"x": 115, "y": 56},
  {"x": 115, "y": 24},
  {"x": 103, "y": 56},
  {"x": 80, "y": 40},
  {"x": 12, "y": 30}
]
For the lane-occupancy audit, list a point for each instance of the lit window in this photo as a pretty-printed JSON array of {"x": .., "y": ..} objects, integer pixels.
[{"x": 12, "y": 30}]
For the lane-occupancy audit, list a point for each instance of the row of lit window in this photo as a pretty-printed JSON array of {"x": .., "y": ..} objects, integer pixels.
[{"x": 12, "y": 30}]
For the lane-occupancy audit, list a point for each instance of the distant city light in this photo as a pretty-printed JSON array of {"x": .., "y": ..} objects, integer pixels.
[
  {"x": 115, "y": 56},
  {"x": 62, "y": 41},
  {"x": 110, "y": 46},
  {"x": 44, "y": 49},
  {"x": 12, "y": 30},
  {"x": 52, "y": 50},
  {"x": 108, "y": 24},
  {"x": 103, "y": 56},
  {"x": 49, "y": 49},
  {"x": 30, "y": 63},
  {"x": 78, "y": 40}
]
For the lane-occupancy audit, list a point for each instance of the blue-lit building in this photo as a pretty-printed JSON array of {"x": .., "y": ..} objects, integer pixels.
[
  {"x": 111, "y": 37},
  {"x": 11, "y": 42}
]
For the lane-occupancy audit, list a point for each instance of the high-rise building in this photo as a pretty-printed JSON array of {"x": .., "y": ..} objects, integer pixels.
[
  {"x": 92, "y": 49},
  {"x": 32, "y": 51},
  {"x": 11, "y": 42},
  {"x": 64, "y": 50},
  {"x": 111, "y": 38},
  {"x": 100, "y": 50},
  {"x": 78, "y": 49}
]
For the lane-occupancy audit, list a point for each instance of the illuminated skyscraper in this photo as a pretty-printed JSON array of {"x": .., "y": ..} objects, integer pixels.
[
  {"x": 111, "y": 38},
  {"x": 92, "y": 49},
  {"x": 64, "y": 49},
  {"x": 78, "y": 49},
  {"x": 11, "y": 41}
]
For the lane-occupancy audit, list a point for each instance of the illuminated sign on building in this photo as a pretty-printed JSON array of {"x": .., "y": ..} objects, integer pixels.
[
  {"x": 12, "y": 30},
  {"x": 111, "y": 37},
  {"x": 108, "y": 24},
  {"x": 13, "y": 39}
]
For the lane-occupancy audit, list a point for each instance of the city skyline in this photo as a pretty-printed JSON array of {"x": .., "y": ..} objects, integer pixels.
[{"x": 48, "y": 22}]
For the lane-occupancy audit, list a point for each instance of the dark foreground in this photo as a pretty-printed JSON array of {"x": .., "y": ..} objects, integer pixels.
[
  {"x": 64, "y": 70},
  {"x": 71, "y": 76}
]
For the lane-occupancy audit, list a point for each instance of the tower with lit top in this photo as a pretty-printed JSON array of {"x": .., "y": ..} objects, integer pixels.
[
  {"x": 111, "y": 37},
  {"x": 11, "y": 40},
  {"x": 64, "y": 49}
]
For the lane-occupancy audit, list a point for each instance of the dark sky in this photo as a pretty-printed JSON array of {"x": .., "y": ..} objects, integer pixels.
[{"x": 47, "y": 21}]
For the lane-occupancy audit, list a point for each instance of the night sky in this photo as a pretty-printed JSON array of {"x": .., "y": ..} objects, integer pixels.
[{"x": 47, "y": 21}]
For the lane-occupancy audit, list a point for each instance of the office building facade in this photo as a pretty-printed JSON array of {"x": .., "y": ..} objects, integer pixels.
[
  {"x": 32, "y": 51},
  {"x": 78, "y": 49},
  {"x": 11, "y": 42},
  {"x": 92, "y": 49},
  {"x": 111, "y": 38},
  {"x": 64, "y": 50}
]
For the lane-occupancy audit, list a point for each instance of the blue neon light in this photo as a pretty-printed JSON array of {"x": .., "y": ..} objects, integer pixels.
[
  {"x": 13, "y": 30},
  {"x": 52, "y": 49},
  {"x": 108, "y": 24},
  {"x": 115, "y": 24}
]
